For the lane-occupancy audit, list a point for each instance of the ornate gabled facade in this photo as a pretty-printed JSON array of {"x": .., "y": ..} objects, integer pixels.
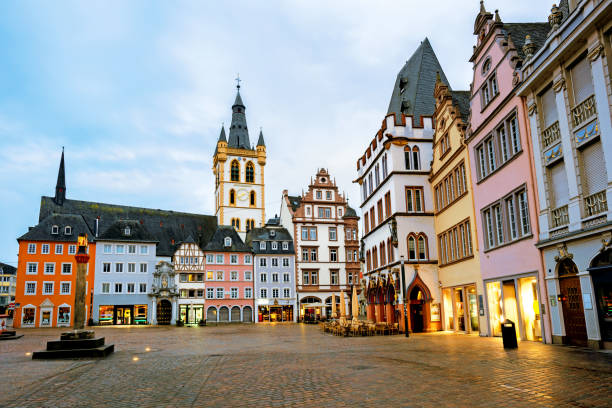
[
  {"x": 325, "y": 235},
  {"x": 502, "y": 180},
  {"x": 397, "y": 203},
  {"x": 566, "y": 88},
  {"x": 458, "y": 260},
  {"x": 239, "y": 175}
]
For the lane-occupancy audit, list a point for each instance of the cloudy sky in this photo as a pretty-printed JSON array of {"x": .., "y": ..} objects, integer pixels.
[{"x": 137, "y": 92}]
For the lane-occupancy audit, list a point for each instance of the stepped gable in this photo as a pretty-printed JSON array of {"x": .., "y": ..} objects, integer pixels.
[
  {"x": 168, "y": 227},
  {"x": 414, "y": 86},
  {"x": 42, "y": 231},
  {"x": 137, "y": 232},
  {"x": 217, "y": 242}
]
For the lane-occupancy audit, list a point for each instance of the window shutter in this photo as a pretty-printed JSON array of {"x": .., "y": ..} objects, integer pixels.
[
  {"x": 594, "y": 177},
  {"x": 582, "y": 85},
  {"x": 550, "y": 107},
  {"x": 558, "y": 185}
]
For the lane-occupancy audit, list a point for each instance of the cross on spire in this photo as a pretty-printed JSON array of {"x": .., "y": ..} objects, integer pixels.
[{"x": 238, "y": 80}]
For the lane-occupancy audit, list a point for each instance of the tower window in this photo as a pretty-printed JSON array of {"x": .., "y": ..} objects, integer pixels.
[
  {"x": 236, "y": 223},
  {"x": 235, "y": 171},
  {"x": 232, "y": 197},
  {"x": 252, "y": 198},
  {"x": 250, "y": 173}
]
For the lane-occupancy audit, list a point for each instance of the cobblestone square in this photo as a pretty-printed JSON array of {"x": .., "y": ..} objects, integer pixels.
[{"x": 298, "y": 365}]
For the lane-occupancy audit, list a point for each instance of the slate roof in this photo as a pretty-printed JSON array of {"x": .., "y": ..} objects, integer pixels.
[
  {"x": 295, "y": 202},
  {"x": 116, "y": 232},
  {"x": 273, "y": 221},
  {"x": 216, "y": 243},
  {"x": 461, "y": 99},
  {"x": 417, "y": 78},
  {"x": 256, "y": 235},
  {"x": 260, "y": 141},
  {"x": 238, "y": 132},
  {"x": 42, "y": 231},
  {"x": 7, "y": 269},
  {"x": 165, "y": 226},
  {"x": 350, "y": 213},
  {"x": 518, "y": 31}
]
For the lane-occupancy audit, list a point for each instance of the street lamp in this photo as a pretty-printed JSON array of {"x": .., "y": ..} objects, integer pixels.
[{"x": 393, "y": 230}]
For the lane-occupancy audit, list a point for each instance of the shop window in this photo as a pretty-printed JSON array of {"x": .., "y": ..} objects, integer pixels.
[
  {"x": 27, "y": 316},
  {"x": 105, "y": 316},
  {"x": 63, "y": 316}
]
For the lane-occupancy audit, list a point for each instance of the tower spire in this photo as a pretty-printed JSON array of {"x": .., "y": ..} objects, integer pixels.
[
  {"x": 238, "y": 131},
  {"x": 60, "y": 186}
]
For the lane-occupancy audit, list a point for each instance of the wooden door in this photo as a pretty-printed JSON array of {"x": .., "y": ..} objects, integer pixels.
[
  {"x": 164, "y": 312},
  {"x": 573, "y": 313}
]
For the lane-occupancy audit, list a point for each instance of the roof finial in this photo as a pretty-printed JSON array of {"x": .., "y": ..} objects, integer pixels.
[
  {"x": 482, "y": 7},
  {"x": 438, "y": 79},
  {"x": 238, "y": 80},
  {"x": 497, "y": 18}
]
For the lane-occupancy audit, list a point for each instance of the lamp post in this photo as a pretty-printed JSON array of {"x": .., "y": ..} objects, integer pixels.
[{"x": 393, "y": 230}]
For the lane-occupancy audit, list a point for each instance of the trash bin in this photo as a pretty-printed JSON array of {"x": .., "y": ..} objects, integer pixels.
[{"x": 509, "y": 334}]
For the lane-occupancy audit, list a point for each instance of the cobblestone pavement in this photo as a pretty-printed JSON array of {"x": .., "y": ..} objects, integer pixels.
[{"x": 298, "y": 365}]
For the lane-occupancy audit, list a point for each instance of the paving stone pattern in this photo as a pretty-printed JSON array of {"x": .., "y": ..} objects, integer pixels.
[{"x": 298, "y": 365}]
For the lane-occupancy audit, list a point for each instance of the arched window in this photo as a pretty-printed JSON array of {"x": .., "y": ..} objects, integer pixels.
[
  {"x": 416, "y": 160},
  {"x": 236, "y": 223},
  {"x": 250, "y": 224},
  {"x": 412, "y": 255},
  {"x": 422, "y": 241},
  {"x": 250, "y": 173},
  {"x": 486, "y": 66},
  {"x": 383, "y": 254},
  {"x": 374, "y": 257},
  {"x": 235, "y": 171},
  {"x": 252, "y": 199},
  {"x": 407, "y": 157},
  {"x": 368, "y": 260},
  {"x": 232, "y": 197}
]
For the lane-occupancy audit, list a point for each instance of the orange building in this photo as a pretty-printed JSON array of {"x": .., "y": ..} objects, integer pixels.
[{"x": 46, "y": 272}]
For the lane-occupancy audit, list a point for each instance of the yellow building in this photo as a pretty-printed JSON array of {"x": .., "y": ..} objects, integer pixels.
[{"x": 462, "y": 306}]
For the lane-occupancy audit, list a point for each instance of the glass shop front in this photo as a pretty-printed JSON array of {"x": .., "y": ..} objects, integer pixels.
[
  {"x": 275, "y": 314},
  {"x": 515, "y": 299},
  {"x": 460, "y": 308},
  {"x": 191, "y": 314},
  {"x": 122, "y": 314}
]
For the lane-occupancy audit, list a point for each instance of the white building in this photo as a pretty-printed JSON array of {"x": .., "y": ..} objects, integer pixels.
[
  {"x": 394, "y": 177},
  {"x": 325, "y": 233}
]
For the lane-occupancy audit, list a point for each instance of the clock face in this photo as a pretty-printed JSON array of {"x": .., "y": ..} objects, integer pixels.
[{"x": 243, "y": 194}]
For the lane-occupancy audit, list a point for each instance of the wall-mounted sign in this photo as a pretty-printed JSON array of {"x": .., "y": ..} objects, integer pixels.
[
  {"x": 435, "y": 312},
  {"x": 481, "y": 305},
  {"x": 553, "y": 300}
]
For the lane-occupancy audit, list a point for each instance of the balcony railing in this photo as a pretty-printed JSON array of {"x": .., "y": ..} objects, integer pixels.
[
  {"x": 550, "y": 135},
  {"x": 585, "y": 110},
  {"x": 560, "y": 217},
  {"x": 595, "y": 203}
]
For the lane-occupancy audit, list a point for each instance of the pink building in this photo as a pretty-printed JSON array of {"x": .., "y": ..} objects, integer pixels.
[
  {"x": 505, "y": 192},
  {"x": 229, "y": 278}
]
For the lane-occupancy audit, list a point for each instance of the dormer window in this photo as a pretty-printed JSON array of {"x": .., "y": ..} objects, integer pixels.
[
  {"x": 227, "y": 242},
  {"x": 127, "y": 231},
  {"x": 285, "y": 246},
  {"x": 272, "y": 233},
  {"x": 67, "y": 230},
  {"x": 274, "y": 246},
  {"x": 262, "y": 245},
  {"x": 55, "y": 230}
]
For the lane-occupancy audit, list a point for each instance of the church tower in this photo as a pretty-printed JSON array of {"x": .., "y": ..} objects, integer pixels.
[{"x": 239, "y": 174}]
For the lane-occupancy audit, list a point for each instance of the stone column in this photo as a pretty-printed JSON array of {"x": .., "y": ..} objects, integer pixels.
[
  {"x": 154, "y": 311},
  {"x": 539, "y": 171},
  {"x": 81, "y": 284},
  {"x": 174, "y": 311}
]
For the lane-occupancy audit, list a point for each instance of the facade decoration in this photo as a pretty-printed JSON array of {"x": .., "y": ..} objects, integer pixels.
[{"x": 164, "y": 294}]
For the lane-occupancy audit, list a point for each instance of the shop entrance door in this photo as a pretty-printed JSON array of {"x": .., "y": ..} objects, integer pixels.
[
  {"x": 473, "y": 309},
  {"x": 164, "y": 312},
  {"x": 459, "y": 310},
  {"x": 123, "y": 315},
  {"x": 573, "y": 313}
]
